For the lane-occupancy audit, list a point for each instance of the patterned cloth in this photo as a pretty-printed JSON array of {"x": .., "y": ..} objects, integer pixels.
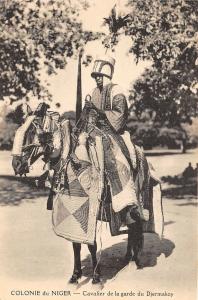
[
  {"x": 75, "y": 208},
  {"x": 110, "y": 157},
  {"x": 113, "y": 102},
  {"x": 148, "y": 192}
]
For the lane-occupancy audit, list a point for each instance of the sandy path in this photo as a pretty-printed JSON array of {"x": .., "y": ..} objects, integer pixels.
[{"x": 34, "y": 258}]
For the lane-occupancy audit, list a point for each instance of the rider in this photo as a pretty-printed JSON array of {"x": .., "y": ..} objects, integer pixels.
[
  {"x": 108, "y": 98},
  {"x": 109, "y": 105}
]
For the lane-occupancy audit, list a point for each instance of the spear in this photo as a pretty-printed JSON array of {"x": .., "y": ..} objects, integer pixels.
[{"x": 79, "y": 88}]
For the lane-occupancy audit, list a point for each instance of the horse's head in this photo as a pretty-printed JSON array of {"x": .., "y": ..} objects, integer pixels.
[
  {"x": 20, "y": 112},
  {"x": 20, "y": 165},
  {"x": 34, "y": 138}
]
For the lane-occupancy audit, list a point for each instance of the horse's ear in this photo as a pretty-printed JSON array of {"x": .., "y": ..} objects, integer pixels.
[{"x": 41, "y": 109}]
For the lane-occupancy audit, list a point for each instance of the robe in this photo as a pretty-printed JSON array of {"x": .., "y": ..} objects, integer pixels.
[{"x": 105, "y": 159}]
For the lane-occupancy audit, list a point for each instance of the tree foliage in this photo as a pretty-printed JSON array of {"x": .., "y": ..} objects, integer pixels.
[
  {"x": 169, "y": 96},
  {"x": 36, "y": 34},
  {"x": 165, "y": 31},
  {"x": 7, "y": 134},
  {"x": 39, "y": 34}
]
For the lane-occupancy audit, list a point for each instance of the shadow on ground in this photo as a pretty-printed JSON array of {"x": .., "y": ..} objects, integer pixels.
[
  {"x": 164, "y": 152},
  {"x": 181, "y": 191},
  {"x": 112, "y": 258},
  {"x": 13, "y": 190},
  {"x": 180, "y": 187},
  {"x": 195, "y": 204}
]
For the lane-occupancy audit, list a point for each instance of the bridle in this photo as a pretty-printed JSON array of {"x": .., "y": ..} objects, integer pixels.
[{"x": 33, "y": 145}]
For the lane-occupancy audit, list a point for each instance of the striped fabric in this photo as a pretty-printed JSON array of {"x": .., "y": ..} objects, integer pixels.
[{"x": 75, "y": 209}]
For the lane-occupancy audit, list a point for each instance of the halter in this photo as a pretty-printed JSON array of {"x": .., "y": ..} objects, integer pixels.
[{"x": 27, "y": 146}]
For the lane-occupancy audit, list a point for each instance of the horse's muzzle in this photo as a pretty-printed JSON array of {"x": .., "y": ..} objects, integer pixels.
[{"x": 20, "y": 165}]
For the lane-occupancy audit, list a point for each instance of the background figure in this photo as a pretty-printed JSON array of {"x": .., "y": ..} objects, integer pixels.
[{"x": 188, "y": 172}]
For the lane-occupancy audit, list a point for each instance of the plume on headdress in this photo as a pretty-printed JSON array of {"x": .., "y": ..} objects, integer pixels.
[{"x": 115, "y": 22}]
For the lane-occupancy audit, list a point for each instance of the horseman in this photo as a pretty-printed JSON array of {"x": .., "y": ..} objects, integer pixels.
[
  {"x": 99, "y": 174},
  {"x": 105, "y": 113},
  {"x": 107, "y": 98}
]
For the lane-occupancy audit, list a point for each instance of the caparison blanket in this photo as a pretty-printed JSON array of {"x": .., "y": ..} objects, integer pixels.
[{"x": 76, "y": 208}]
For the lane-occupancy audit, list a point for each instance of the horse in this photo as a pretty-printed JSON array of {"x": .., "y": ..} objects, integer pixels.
[{"x": 44, "y": 134}]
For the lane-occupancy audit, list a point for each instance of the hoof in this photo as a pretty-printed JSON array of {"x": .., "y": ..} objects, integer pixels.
[
  {"x": 140, "y": 267},
  {"x": 128, "y": 257},
  {"x": 75, "y": 277},
  {"x": 138, "y": 264},
  {"x": 96, "y": 279}
]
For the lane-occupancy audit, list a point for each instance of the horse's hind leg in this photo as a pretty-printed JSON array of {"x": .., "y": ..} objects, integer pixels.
[
  {"x": 138, "y": 240},
  {"x": 135, "y": 242},
  {"x": 77, "y": 272},
  {"x": 129, "y": 254},
  {"x": 96, "y": 267}
]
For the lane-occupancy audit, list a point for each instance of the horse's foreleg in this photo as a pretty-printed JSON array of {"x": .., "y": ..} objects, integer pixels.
[
  {"x": 96, "y": 267},
  {"x": 77, "y": 272},
  {"x": 129, "y": 254},
  {"x": 138, "y": 242},
  {"x": 135, "y": 242}
]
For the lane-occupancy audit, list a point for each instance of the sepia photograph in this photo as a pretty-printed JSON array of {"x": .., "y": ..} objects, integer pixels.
[{"x": 98, "y": 149}]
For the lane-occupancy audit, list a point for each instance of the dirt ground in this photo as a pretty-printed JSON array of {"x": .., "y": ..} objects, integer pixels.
[{"x": 35, "y": 261}]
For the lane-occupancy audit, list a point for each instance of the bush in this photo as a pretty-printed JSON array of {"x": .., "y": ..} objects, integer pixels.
[
  {"x": 192, "y": 142},
  {"x": 173, "y": 138},
  {"x": 148, "y": 135},
  {"x": 7, "y": 133},
  {"x": 144, "y": 134},
  {"x": 192, "y": 132}
]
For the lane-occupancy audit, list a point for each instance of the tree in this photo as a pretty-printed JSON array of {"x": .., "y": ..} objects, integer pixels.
[
  {"x": 36, "y": 34},
  {"x": 7, "y": 134},
  {"x": 170, "y": 100},
  {"x": 164, "y": 32}
]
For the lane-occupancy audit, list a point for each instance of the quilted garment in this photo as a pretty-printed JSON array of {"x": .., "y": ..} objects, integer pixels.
[{"x": 75, "y": 209}]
